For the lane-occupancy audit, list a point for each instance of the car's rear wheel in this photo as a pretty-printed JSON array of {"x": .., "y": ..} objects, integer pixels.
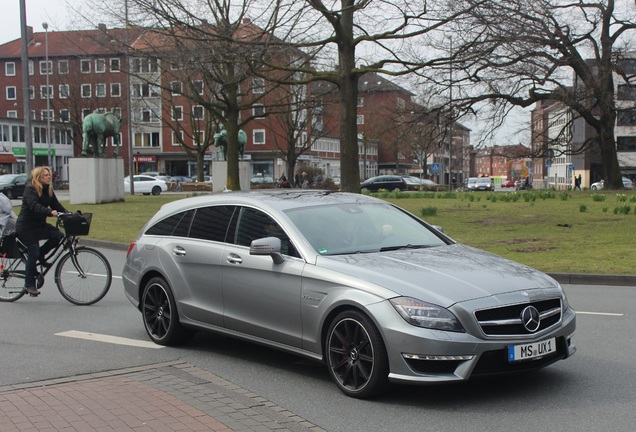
[
  {"x": 160, "y": 316},
  {"x": 156, "y": 190},
  {"x": 9, "y": 193},
  {"x": 356, "y": 355}
]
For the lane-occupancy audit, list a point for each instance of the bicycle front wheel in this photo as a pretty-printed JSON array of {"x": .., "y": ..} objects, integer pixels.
[
  {"x": 12, "y": 279},
  {"x": 83, "y": 278}
]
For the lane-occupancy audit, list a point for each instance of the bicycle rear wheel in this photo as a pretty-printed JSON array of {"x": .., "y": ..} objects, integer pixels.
[
  {"x": 84, "y": 280},
  {"x": 12, "y": 279}
]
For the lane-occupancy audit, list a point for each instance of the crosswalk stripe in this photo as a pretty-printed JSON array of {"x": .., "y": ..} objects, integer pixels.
[{"x": 108, "y": 339}]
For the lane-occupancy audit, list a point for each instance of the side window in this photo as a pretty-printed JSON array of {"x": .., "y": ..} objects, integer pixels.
[
  {"x": 211, "y": 223},
  {"x": 176, "y": 225},
  {"x": 254, "y": 224}
]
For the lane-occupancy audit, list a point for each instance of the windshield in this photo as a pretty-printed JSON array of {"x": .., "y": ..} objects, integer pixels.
[{"x": 352, "y": 228}]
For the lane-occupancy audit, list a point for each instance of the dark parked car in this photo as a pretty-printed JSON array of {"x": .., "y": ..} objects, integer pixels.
[
  {"x": 12, "y": 185},
  {"x": 388, "y": 182},
  {"x": 360, "y": 284}
]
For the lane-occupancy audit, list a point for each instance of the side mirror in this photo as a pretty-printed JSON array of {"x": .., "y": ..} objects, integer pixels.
[
  {"x": 267, "y": 246},
  {"x": 438, "y": 228}
]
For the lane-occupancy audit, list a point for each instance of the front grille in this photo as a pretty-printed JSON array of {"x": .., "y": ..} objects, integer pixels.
[
  {"x": 433, "y": 367},
  {"x": 496, "y": 362},
  {"x": 506, "y": 320}
]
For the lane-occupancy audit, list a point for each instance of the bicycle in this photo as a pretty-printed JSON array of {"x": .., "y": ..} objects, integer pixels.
[
  {"x": 176, "y": 187},
  {"x": 82, "y": 274}
]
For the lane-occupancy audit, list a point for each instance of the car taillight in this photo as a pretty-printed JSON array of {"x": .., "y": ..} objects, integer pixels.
[{"x": 131, "y": 247}]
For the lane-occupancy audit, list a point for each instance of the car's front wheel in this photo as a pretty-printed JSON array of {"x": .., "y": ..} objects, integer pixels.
[
  {"x": 9, "y": 193},
  {"x": 156, "y": 190},
  {"x": 356, "y": 355},
  {"x": 159, "y": 312}
]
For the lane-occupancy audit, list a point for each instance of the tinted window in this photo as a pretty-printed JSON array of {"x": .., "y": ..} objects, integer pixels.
[
  {"x": 254, "y": 224},
  {"x": 211, "y": 223},
  {"x": 177, "y": 225}
]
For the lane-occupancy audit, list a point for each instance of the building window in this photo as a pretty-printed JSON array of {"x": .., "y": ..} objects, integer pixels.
[
  {"x": 85, "y": 66},
  {"x": 146, "y": 139},
  {"x": 12, "y": 114},
  {"x": 258, "y": 136},
  {"x": 31, "y": 92},
  {"x": 46, "y": 67},
  {"x": 626, "y": 118},
  {"x": 62, "y": 67},
  {"x": 63, "y": 90},
  {"x": 198, "y": 137},
  {"x": 145, "y": 65},
  {"x": 115, "y": 141},
  {"x": 117, "y": 112},
  {"x": 9, "y": 69},
  {"x": 177, "y": 113},
  {"x": 47, "y": 115},
  {"x": 198, "y": 87},
  {"x": 115, "y": 89},
  {"x": 197, "y": 112},
  {"x": 360, "y": 102},
  {"x": 65, "y": 115},
  {"x": 85, "y": 112},
  {"x": 401, "y": 103},
  {"x": 258, "y": 85},
  {"x": 43, "y": 92},
  {"x": 31, "y": 67},
  {"x": 11, "y": 93},
  {"x": 258, "y": 111},
  {"x": 177, "y": 138},
  {"x": 176, "y": 87},
  {"x": 100, "y": 90},
  {"x": 360, "y": 119},
  {"x": 626, "y": 144},
  {"x": 100, "y": 65},
  {"x": 140, "y": 90},
  {"x": 86, "y": 90}
]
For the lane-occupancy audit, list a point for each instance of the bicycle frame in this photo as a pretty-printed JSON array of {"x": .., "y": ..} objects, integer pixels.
[{"x": 68, "y": 243}]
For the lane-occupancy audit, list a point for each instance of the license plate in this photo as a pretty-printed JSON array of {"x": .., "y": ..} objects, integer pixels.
[{"x": 531, "y": 350}]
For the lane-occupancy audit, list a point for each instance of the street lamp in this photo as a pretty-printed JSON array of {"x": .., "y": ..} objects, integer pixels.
[{"x": 48, "y": 92}]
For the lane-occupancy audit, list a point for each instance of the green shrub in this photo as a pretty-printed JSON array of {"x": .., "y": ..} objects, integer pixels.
[
  {"x": 582, "y": 208},
  {"x": 621, "y": 197},
  {"x": 624, "y": 209},
  {"x": 429, "y": 211},
  {"x": 564, "y": 196},
  {"x": 605, "y": 209},
  {"x": 598, "y": 197}
]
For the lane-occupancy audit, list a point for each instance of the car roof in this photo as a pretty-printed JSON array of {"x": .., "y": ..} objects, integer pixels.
[{"x": 267, "y": 199}]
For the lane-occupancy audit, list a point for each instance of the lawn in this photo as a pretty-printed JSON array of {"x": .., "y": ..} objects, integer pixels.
[{"x": 572, "y": 232}]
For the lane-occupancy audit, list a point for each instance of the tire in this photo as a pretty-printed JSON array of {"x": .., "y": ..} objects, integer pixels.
[
  {"x": 159, "y": 313},
  {"x": 356, "y": 356},
  {"x": 156, "y": 190},
  {"x": 12, "y": 279},
  {"x": 93, "y": 285},
  {"x": 9, "y": 194},
  {"x": 593, "y": 188}
]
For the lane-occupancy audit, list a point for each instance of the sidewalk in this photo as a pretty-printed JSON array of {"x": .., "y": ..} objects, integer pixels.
[{"x": 174, "y": 396}]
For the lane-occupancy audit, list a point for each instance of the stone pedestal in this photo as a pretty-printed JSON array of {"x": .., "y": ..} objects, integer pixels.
[
  {"x": 96, "y": 180},
  {"x": 219, "y": 174}
]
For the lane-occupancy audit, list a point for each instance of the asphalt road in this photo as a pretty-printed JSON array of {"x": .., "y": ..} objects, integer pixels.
[{"x": 593, "y": 391}]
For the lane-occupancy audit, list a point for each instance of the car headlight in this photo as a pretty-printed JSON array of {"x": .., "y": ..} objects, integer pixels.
[{"x": 426, "y": 315}]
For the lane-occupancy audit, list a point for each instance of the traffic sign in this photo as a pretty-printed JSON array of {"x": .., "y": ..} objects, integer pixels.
[{"x": 435, "y": 168}]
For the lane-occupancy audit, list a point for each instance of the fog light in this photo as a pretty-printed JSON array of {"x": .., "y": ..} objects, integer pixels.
[{"x": 437, "y": 357}]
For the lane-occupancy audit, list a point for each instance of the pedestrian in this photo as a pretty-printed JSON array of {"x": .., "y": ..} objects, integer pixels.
[
  {"x": 297, "y": 180},
  {"x": 38, "y": 203},
  {"x": 578, "y": 182}
]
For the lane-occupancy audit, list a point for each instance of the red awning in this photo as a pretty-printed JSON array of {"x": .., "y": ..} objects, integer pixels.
[{"x": 7, "y": 158}]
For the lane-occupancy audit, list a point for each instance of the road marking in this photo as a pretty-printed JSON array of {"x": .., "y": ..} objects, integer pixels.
[
  {"x": 600, "y": 313},
  {"x": 108, "y": 339}
]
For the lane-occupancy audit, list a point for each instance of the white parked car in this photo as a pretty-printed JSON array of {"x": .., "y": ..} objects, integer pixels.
[
  {"x": 146, "y": 185},
  {"x": 627, "y": 184}
]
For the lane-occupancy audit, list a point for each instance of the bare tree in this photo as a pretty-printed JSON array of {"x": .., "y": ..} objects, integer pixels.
[{"x": 537, "y": 50}]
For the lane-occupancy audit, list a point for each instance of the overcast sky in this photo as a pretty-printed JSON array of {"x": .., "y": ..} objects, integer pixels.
[{"x": 53, "y": 12}]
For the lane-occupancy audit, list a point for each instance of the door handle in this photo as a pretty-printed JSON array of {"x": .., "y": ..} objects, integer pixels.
[
  {"x": 179, "y": 251},
  {"x": 234, "y": 259}
]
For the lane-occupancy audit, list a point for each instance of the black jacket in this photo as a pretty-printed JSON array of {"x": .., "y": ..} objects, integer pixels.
[{"x": 31, "y": 225}]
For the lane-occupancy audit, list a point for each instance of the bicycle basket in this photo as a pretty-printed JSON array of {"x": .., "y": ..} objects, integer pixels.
[
  {"x": 9, "y": 246},
  {"x": 76, "y": 224}
]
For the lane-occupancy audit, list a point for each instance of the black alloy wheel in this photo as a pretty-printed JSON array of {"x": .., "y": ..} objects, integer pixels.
[
  {"x": 159, "y": 312},
  {"x": 156, "y": 190},
  {"x": 356, "y": 355}
]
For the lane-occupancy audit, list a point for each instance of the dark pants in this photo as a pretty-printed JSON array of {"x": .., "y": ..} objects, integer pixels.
[{"x": 35, "y": 253}]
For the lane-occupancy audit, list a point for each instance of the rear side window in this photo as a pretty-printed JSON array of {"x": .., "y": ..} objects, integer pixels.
[
  {"x": 175, "y": 225},
  {"x": 211, "y": 223}
]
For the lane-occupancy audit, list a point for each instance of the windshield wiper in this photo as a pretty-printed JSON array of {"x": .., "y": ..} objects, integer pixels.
[{"x": 408, "y": 246}]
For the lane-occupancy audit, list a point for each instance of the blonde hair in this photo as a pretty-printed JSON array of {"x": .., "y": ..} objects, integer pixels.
[{"x": 36, "y": 173}]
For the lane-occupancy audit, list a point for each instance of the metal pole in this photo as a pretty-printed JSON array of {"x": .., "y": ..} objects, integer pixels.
[
  {"x": 131, "y": 172},
  {"x": 48, "y": 93},
  {"x": 450, "y": 121},
  {"x": 28, "y": 139}
]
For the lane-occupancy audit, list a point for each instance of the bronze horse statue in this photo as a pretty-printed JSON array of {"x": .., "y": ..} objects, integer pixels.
[
  {"x": 97, "y": 127},
  {"x": 220, "y": 140}
]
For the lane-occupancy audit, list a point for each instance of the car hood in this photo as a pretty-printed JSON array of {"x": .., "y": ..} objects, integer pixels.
[{"x": 443, "y": 275}]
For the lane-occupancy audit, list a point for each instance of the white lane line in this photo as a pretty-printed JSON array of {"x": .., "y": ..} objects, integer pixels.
[
  {"x": 600, "y": 313},
  {"x": 108, "y": 339}
]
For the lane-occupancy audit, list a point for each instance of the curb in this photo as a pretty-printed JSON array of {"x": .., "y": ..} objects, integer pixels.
[{"x": 563, "y": 278}]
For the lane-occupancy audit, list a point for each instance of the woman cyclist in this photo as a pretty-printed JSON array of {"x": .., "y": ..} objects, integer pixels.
[{"x": 38, "y": 203}]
